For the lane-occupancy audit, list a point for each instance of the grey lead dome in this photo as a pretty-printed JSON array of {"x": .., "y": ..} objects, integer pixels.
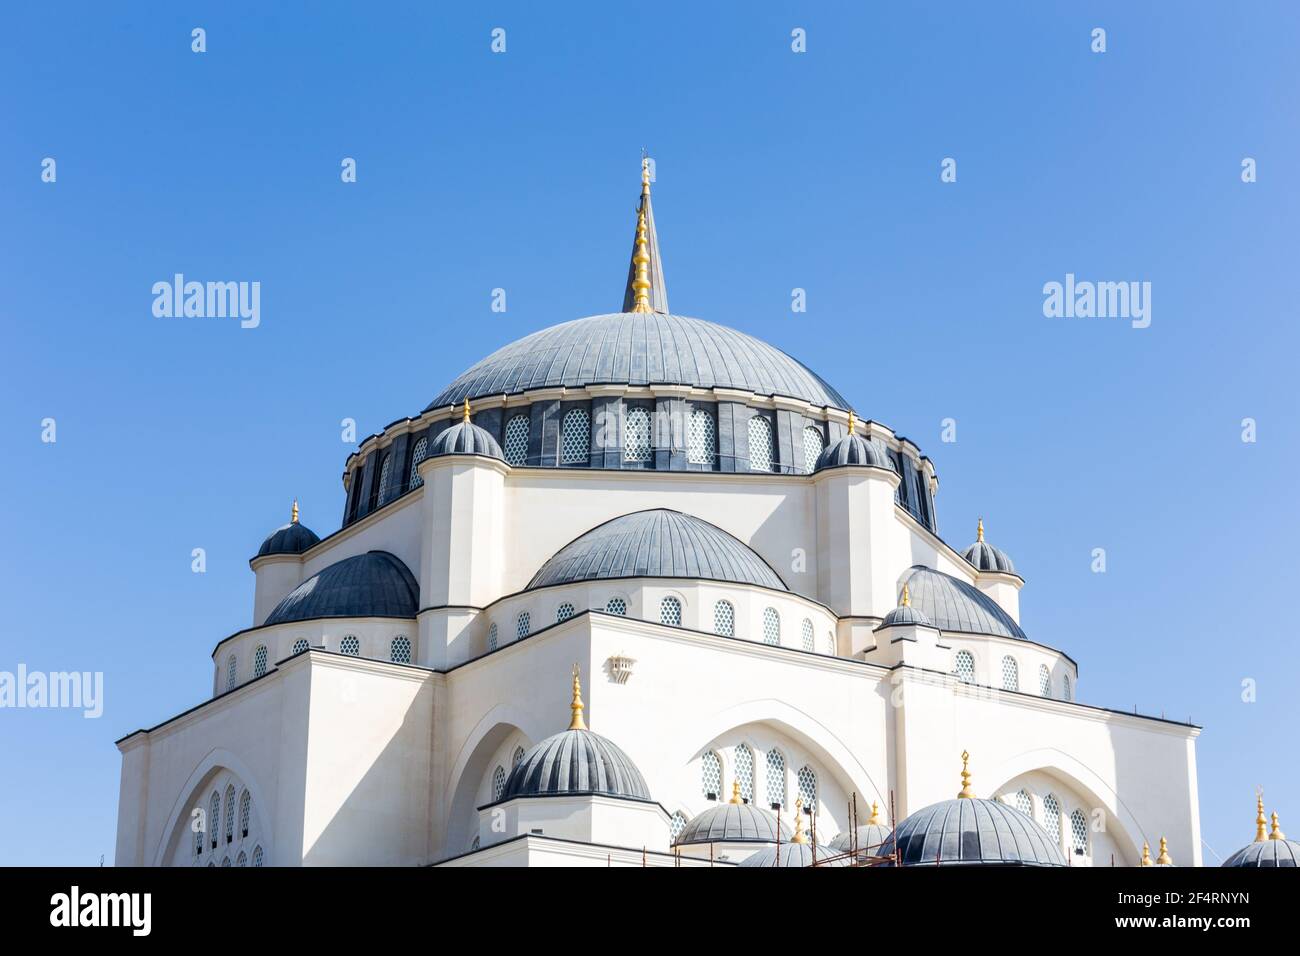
[
  {"x": 465, "y": 438},
  {"x": 576, "y": 763},
  {"x": 971, "y": 832},
  {"x": 854, "y": 450},
  {"x": 733, "y": 823},
  {"x": 953, "y": 605},
  {"x": 374, "y": 584}
]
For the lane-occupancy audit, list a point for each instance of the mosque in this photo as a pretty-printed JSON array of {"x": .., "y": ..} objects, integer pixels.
[{"x": 640, "y": 589}]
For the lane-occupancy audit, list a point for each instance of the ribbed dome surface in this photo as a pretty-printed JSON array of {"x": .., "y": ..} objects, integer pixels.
[
  {"x": 871, "y": 839},
  {"x": 985, "y": 557},
  {"x": 733, "y": 823},
  {"x": 576, "y": 762},
  {"x": 1266, "y": 853},
  {"x": 628, "y": 348},
  {"x": 465, "y": 438},
  {"x": 905, "y": 615},
  {"x": 657, "y": 544},
  {"x": 961, "y": 832},
  {"x": 793, "y": 854},
  {"x": 292, "y": 538},
  {"x": 854, "y": 450},
  {"x": 954, "y": 605},
  {"x": 374, "y": 584}
]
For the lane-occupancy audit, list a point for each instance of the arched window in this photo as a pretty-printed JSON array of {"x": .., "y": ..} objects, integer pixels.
[
  {"x": 399, "y": 652},
  {"x": 516, "y": 449},
  {"x": 808, "y": 788},
  {"x": 1024, "y": 804},
  {"x": 964, "y": 666},
  {"x": 760, "y": 444},
  {"x": 676, "y": 825},
  {"x": 812, "y": 448},
  {"x": 225, "y": 861},
  {"x": 1052, "y": 817},
  {"x": 806, "y": 635},
  {"x": 702, "y": 439},
  {"x": 258, "y": 856},
  {"x": 711, "y": 775},
  {"x": 724, "y": 619},
  {"x": 1065, "y": 688},
  {"x": 830, "y": 643},
  {"x": 616, "y": 605},
  {"x": 198, "y": 837},
  {"x": 230, "y": 812},
  {"x": 259, "y": 660},
  {"x": 210, "y": 863},
  {"x": 745, "y": 772},
  {"x": 563, "y": 612},
  {"x": 231, "y": 672},
  {"x": 383, "y": 477},
  {"x": 420, "y": 452},
  {"x": 636, "y": 436},
  {"x": 492, "y": 637},
  {"x": 523, "y": 625},
  {"x": 1044, "y": 680},
  {"x": 498, "y": 782},
  {"x": 575, "y": 437},
  {"x": 1010, "y": 673},
  {"x": 300, "y": 645},
  {"x": 771, "y": 626},
  {"x": 515, "y": 757},
  {"x": 242, "y": 859},
  {"x": 350, "y": 646},
  {"x": 245, "y": 812},
  {"x": 1079, "y": 830},
  {"x": 776, "y": 777},
  {"x": 670, "y": 611},
  {"x": 214, "y": 817}
]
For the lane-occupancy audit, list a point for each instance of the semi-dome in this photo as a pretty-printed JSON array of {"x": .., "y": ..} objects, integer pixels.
[
  {"x": 734, "y": 822},
  {"x": 954, "y": 605},
  {"x": 374, "y": 584},
  {"x": 984, "y": 557},
  {"x": 576, "y": 762},
  {"x": 291, "y": 538},
  {"x": 639, "y": 348},
  {"x": 465, "y": 438},
  {"x": 658, "y": 543}
]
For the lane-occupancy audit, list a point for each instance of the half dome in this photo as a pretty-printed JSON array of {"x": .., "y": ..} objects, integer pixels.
[
  {"x": 972, "y": 832},
  {"x": 658, "y": 543},
  {"x": 639, "y": 348},
  {"x": 953, "y": 605},
  {"x": 374, "y": 584},
  {"x": 576, "y": 763}
]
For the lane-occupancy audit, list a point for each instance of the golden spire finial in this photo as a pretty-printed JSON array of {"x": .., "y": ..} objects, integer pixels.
[
  {"x": 798, "y": 822},
  {"x": 645, "y": 174},
  {"x": 1277, "y": 833},
  {"x": 466, "y": 419},
  {"x": 907, "y": 597},
  {"x": 853, "y": 422},
  {"x": 1261, "y": 822},
  {"x": 1164, "y": 859},
  {"x": 966, "y": 792},
  {"x": 577, "y": 723},
  {"x": 641, "y": 262},
  {"x": 735, "y": 792},
  {"x": 979, "y": 531},
  {"x": 1146, "y": 854},
  {"x": 293, "y": 516},
  {"x": 875, "y": 813}
]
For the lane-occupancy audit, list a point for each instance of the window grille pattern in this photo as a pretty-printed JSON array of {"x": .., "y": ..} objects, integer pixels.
[
  {"x": 230, "y": 812},
  {"x": 776, "y": 777},
  {"x": 1010, "y": 673},
  {"x": 231, "y": 672},
  {"x": 745, "y": 771},
  {"x": 575, "y": 437},
  {"x": 498, "y": 782},
  {"x": 563, "y": 612},
  {"x": 670, "y": 611},
  {"x": 1079, "y": 830},
  {"x": 808, "y": 788},
  {"x": 1044, "y": 680},
  {"x": 676, "y": 826},
  {"x": 724, "y": 619},
  {"x": 300, "y": 645},
  {"x": 702, "y": 439},
  {"x": 523, "y": 625},
  {"x": 1052, "y": 817},
  {"x": 245, "y": 812},
  {"x": 617, "y": 606},
  {"x": 964, "y": 666},
  {"x": 399, "y": 652},
  {"x": 214, "y": 817},
  {"x": 516, "y": 449},
  {"x": 806, "y": 635},
  {"x": 1024, "y": 804},
  {"x": 812, "y": 448},
  {"x": 420, "y": 453},
  {"x": 492, "y": 637},
  {"x": 259, "y": 660},
  {"x": 350, "y": 646},
  {"x": 636, "y": 436},
  {"x": 1065, "y": 688},
  {"x": 771, "y": 626},
  {"x": 258, "y": 856},
  {"x": 242, "y": 859},
  {"x": 515, "y": 757},
  {"x": 711, "y": 775},
  {"x": 383, "y": 477},
  {"x": 760, "y": 444}
]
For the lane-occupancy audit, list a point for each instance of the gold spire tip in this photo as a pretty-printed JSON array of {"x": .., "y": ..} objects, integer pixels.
[
  {"x": 293, "y": 516},
  {"x": 966, "y": 791},
  {"x": 1146, "y": 854},
  {"x": 1261, "y": 821},
  {"x": 907, "y": 597},
  {"x": 979, "y": 530},
  {"x": 577, "y": 723},
  {"x": 645, "y": 173},
  {"x": 466, "y": 419},
  {"x": 1277, "y": 833},
  {"x": 853, "y": 422},
  {"x": 798, "y": 822},
  {"x": 1164, "y": 859},
  {"x": 875, "y": 813},
  {"x": 735, "y": 792}
]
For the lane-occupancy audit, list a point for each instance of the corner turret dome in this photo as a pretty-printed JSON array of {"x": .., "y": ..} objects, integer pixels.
[
  {"x": 905, "y": 613},
  {"x": 984, "y": 557},
  {"x": 852, "y": 449},
  {"x": 291, "y": 538},
  {"x": 466, "y": 438}
]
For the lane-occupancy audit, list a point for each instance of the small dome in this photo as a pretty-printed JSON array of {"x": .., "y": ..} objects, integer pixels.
[
  {"x": 984, "y": 557},
  {"x": 854, "y": 450},
  {"x": 374, "y": 584},
  {"x": 972, "y": 832},
  {"x": 795, "y": 854},
  {"x": 871, "y": 838},
  {"x": 576, "y": 763},
  {"x": 1266, "y": 853},
  {"x": 657, "y": 544},
  {"x": 906, "y": 615},
  {"x": 733, "y": 823},
  {"x": 955, "y": 605},
  {"x": 465, "y": 438},
  {"x": 292, "y": 538}
]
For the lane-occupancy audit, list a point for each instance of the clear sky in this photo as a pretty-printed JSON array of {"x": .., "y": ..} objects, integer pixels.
[{"x": 775, "y": 170}]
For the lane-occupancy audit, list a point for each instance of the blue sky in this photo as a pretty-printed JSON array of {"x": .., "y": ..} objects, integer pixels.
[{"x": 775, "y": 170}]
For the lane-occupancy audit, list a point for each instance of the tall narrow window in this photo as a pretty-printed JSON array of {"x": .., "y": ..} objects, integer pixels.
[
  {"x": 231, "y": 672},
  {"x": 258, "y": 856},
  {"x": 245, "y": 812},
  {"x": 1044, "y": 681},
  {"x": 230, "y": 813},
  {"x": 259, "y": 660},
  {"x": 420, "y": 452},
  {"x": 808, "y": 788},
  {"x": 516, "y": 449},
  {"x": 711, "y": 775},
  {"x": 225, "y": 861},
  {"x": 493, "y": 637},
  {"x": 830, "y": 644},
  {"x": 563, "y": 612},
  {"x": 523, "y": 624},
  {"x": 242, "y": 859},
  {"x": 702, "y": 439},
  {"x": 771, "y": 626},
  {"x": 964, "y": 666},
  {"x": 300, "y": 645},
  {"x": 351, "y": 646},
  {"x": 1052, "y": 817},
  {"x": 806, "y": 635},
  {"x": 812, "y": 448},
  {"x": 1024, "y": 804},
  {"x": 616, "y": 605},
  {"x": 670, "y": 612},
  {"x": 381, "y": 489},
  {"x": 776, "y": 777},
  {"x": 399, "y": 652},
  {"x": 1065, "y": 687},
  {"x": 498, "y": 782},
  {"x": 214, "y": 817},
  {"x": 575, "y": 437},
  {"x": 760, "y": 444},
  {"x": 724, "y": 619},
  {"x": 1079, "y": 831},
  {"x": 676, "y": 825},
  {"x": 1010, "y": 673},
  {"x": 636, "y": 436},
  {"x": 745, "y": 771},
  {"x": 516, "y": 757}
]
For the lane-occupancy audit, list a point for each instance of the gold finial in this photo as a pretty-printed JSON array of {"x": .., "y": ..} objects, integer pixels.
[
  {"x": 1146, "y": 854},
  {"x": 1277, "y": 833},
  {"x": 293, "y": 517},
  {"x": 735, "y": 792},
  {"x": 907, "y": 597},
  {"x": 641, "y": 261},
  {"x": 466, "y": 419},
  {"x": 875, "y": 813},
  {"x": 966, "y": 792},
  {"x": 1164, "y": 858},
  {"x": 645, "y": 174},
  {"x": 853, "y": 422},
  {"x": 1261, "y": 822},
  {"x": 798, "y": 822},
  {"x": 979, "y": 531},
  {"x": 577, "y": 723}
]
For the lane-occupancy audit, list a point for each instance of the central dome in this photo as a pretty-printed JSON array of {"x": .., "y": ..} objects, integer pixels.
[{"x": 640, "y": 348}]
